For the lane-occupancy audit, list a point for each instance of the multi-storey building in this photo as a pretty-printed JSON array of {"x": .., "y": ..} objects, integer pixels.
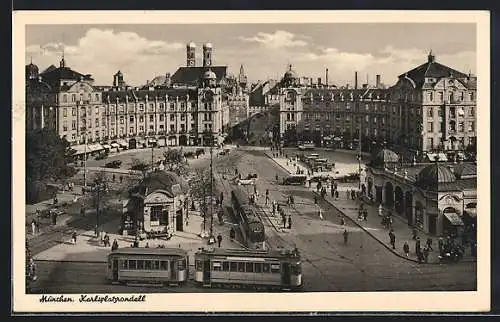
[
  {"x": 431, "y": 107},
  {"x": 68, "y": 102}
]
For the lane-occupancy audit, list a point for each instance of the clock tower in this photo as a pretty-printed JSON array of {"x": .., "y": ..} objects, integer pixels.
[
  {"x": 207, "y": 55},
  {"x": 190, "y": 54}
]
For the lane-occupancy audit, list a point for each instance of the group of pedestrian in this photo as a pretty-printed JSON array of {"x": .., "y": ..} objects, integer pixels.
[
  {"x": 287, "y": 221},
  {"x": 333, "y": 190},
  {"x": 35, "y": 226},
  {"x": 351, "y": 194},
  {"x": 70, "y": 186}
]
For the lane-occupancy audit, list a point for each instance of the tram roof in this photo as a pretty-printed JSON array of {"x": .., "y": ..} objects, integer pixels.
[
  {"x": 235, "y": 252},
  {"x": 149, "y": 251}
]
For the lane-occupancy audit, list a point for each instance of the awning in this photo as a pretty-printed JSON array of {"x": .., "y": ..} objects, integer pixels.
[
  {"x": 454, "y": 218},
  {"x": 79, "y": 149},
  {"x": 95, "y": 147},
  {"x": 106, "y": 146},
  {"x": 441, "y": 157},
  {"x": 115, "y": 145}
]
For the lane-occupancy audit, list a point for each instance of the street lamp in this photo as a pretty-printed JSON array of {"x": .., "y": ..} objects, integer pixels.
[
  {"x": 211, "y": 236},
  {"x": 98, "y": 186}
]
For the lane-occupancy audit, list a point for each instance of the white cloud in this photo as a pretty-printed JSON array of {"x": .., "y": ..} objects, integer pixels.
[
  {"x": 278, "y": 39},
  {"x": 103, "y": 52}
]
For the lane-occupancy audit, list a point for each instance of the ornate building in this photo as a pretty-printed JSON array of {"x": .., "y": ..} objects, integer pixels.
[
  {"x": 431, "y": 108},
  {"x": 69, "y": 102}
]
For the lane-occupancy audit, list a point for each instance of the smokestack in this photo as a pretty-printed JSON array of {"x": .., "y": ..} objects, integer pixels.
[
  {"x": 326, "y": 77},
  {"x": 319, "y": 80},
  {"x": 377, "y": 84},
  {"x": 355, "y": 80}
]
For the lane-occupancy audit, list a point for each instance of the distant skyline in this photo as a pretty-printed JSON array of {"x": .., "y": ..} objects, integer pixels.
[{"x": 143, "y": 52}]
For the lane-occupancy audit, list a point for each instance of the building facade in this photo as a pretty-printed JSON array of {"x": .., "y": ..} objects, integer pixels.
[
  {"x": 68, "y": 102},
  {"x": 431, "y": 108}
]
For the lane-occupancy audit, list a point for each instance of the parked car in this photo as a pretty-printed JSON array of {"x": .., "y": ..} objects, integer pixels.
[{"x": 114, "y": 164}]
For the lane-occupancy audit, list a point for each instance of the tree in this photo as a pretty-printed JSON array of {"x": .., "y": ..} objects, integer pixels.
[
  {"x": 175, "y": 161},
  {"x": 139, "y": 165},
  {"x": 99, "y": 191},
  {"x": 200, "y": 188},
  {"x": 47, "y": 159}
]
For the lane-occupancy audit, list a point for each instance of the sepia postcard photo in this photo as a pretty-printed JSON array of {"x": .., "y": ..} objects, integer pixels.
[{"x": 251, "y": 161}]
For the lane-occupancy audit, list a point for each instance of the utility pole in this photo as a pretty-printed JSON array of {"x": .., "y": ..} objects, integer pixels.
[
  {"x": 84, "y": 161},
  {"x": 211, "y": 185},
  {"x": 152, "y": 158}
]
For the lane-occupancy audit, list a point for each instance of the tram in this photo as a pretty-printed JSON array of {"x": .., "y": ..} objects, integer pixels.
[
  {"x": 148, "y": 265},
  {"x": 249, "y": 222},
  {"x": 216, "y": 267}
]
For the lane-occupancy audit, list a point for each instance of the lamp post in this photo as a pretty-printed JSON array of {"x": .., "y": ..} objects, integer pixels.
[
  {"x": 84, "y": 161},
  {"x": 211, "y": 236},
  {"x": 98, "y": 187}
]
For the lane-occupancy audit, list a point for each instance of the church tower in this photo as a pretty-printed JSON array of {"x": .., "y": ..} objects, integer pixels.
[
  {"x": 190, "y": 54},
  {"x": 242, "y": 78},
  {"x": 207, "y": 55}
]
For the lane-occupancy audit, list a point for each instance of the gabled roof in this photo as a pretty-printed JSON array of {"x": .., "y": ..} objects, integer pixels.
[
  {"x": 431, "y": 69},
  {"x": 192, "y": 75}
]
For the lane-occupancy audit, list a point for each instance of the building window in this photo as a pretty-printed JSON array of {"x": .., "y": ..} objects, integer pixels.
[
  {"x": 193, "y": 104},
  {"x": 440, "y": 96},
  {"x": 375, "y": 119},
  {"x": 65, "y": 112},
  {"x": 141, "y": 107},
  {"x": 430, "y": 143},
  {"x": 367, "y": 118},
  {"x": 430, "y": 127},
  {"x": 460, "y": 126},
  {"x": 141, "y": 119},
  {"x": 452, "y": 126},
  {"x": 97, "y": 134},
  {"x": 471, "y": 111},
  {"x": 431, "y": 96},
  {"x": 151, "y": 107},
  {"x": 471, "y": 126},
  {"x": 430, "y": 112},
  {"x": 162, "y": 127},
  {"x": 103, "y": 121},
  {"x": 73, "y": 136},
  {"x": 131, "y": 118},
  {"x": 64, "y": 98},
  {"x": 131, "y": 130},
  {"x": 65, "y": 125},
  {"x": 172, "y": 106},
  {"x": 96, "y": 97},
  {"x": 122, "y": 120},
  {"x": 172, "y": 128},
  {"x": 162, "y": 117},
  {"x": 172, "y": 117},
  {"x": 471, "y": 96},
  {"x": 152, "y": 127},
  {"x": 73, "y": 98},
  {"x": 151, "y": 118},
  {"x": 367, "y": 107},
  {"x": 141, "y": 128},
  {"x": 183, "y": 117},
  {"x": 452, "y": 112},
  {"x": 96, "y": 121}
]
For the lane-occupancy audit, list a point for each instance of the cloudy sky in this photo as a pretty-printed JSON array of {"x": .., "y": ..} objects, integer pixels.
[{"x": 142, "y": 52}]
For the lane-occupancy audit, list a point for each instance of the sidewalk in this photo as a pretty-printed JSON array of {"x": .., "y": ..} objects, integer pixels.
[
  {"x": 373, "y": 226},
  {"x": 88, "y": 249}
]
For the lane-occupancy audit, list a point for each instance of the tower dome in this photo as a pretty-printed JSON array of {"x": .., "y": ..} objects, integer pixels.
[
  {"x": 191, "y": 45},
  {"x": 290, "y": 73},
  {"x": 31, "y": 71},
  {"x": 207, "y": 45},
  {"x": 432, "y": 175},
  {"x": 209, "y": 74}
]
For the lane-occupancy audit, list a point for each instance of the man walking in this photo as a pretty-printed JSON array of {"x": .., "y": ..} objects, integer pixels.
[
  {"x": 289, "y": 222},
  {"x": 345, "y": 236},
  {"x": 406, "y": 249},
  {"x": 219, "y": 239},
  {"x": 392, "y": 238}
]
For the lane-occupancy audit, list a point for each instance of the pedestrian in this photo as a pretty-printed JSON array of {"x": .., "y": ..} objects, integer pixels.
[
  {"x": 147, "y": 245},
  {"x": 414, "y": 233},
  {"x": 429, "y": 243},
  {"x": 406, "y": 249},
  {"x": 320, "y": 214},
  {"x": 342, "y": 220},
  {"x": 54, "y": 218},
  {"x": 392, "y": 238},
  {"x": 289, "y": 222},
  {"x": 114, "y": 177},
  {"x": 353, "y": 194},
  {"x": 426, "y": 254},
  {"x": 82, "y": 210},
  {"x": 73, "y": 237},
  {"x": 345, "y": 236},
  {"x": 136, "y": 242},
  {"x": 255, "y": 189},
  {"x": 219, "y": 239},
  {"x": 106, "y": 240},
  {"x": 440, "y": 245},
  {"x": 348, "y": 193},
  {"x": 283, "y": 219},
  {"x": 121, "y": 178},
  {"x": 336, "y": 194},
  {"x": 418, "y": 250},
  {"x": 55, "y": 200},
  {"x": 332, "y": 192},
  {"x": 315, "y": 200},
  {"x": 365, "y": 215},
  {"x": 380, "y": 210},
  {"x": 232, "y": 234},
  {"x": 277, "y": 177},
  {"x": 115, "y": 245}
]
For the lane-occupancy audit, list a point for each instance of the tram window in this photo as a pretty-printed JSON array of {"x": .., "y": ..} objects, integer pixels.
[
  {"x": 216, "y": 266},
  {"x": 249, "y": 267},
  {"x": 147, "y": 264},
  {"x": 132, "y": 264},
  {"x": 124, "y": 264},
  {"x": 181, "y": 264},
  {"x": 241, "y": 267},
  {"x": 258, "y": 267},
  {"x": 164, "y": 265},
  {"x": 275, "y": 268},
  {"x": 266, "y": 268},
  {"x": 199, "y": 265},
  {"x": 234, "y": 266},
  {"x": 225, "y": 266},
  {"x": 156, "y": 265},
  {"x": 140, "y": 264}
]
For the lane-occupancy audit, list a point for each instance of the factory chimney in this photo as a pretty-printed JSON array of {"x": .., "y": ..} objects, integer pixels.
[
  {"x": 377, "y": 85},
  {"x": 355, "y": 80},
  {"x": 326, "y": 77}
]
